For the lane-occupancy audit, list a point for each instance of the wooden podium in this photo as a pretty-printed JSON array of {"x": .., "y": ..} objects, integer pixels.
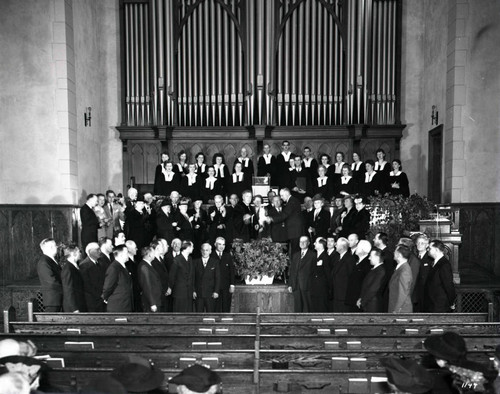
[{"x": 270, "y": 299}]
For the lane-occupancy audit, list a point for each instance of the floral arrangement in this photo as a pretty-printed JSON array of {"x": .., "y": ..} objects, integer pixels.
[
  {"x": 398, "y": 216},
  {"x": 259, "y": 257}
]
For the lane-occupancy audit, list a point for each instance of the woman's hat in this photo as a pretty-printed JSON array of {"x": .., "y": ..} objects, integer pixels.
[
  {"x": 138, "y": 375},
  {"x": 196, "y": 378},
  {"x": 448, "y": 346}
]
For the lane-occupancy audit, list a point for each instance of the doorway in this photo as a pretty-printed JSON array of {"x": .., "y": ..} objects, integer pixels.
[{"x": 435, "y": 179}]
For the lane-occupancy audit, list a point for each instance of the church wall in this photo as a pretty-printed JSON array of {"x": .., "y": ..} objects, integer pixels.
[
  {"x": 481, "y": 115},
  {"x": 30, "y": 167}
]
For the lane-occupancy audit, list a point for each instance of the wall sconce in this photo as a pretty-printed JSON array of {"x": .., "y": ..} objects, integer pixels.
[
  {"x": 434, "y": 115},
  {"x": 87, "y": 116}
]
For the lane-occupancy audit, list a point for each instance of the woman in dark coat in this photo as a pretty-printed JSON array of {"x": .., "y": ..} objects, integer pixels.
[
  {"x": 164, "y": 222},
  {"x": 319, "y": 282}
]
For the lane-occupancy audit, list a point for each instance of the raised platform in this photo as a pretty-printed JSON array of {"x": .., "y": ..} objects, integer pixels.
[{"x": 270, "y": 298}]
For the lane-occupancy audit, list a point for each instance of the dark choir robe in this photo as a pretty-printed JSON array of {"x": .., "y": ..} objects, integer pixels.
[
  {"x": 164, "y": 227},
  {"x": 426, "y": 262},
  {"x": 358, "y": 172},
  {"x": 370, "y": 185},
  {"x": 287, "y": 178},
  {"x": 206, "y": 282},
  {"x": 181, "y": 169},
  {"x": 282, "y": 168},
  {"x": 278, "y": 230},
  {"x": 354, "y": 283},
  {"x": 346, "y": 185},
  {"x": 439, "y": 290},
  {"x": 348, "y": 223},
  {"x": 167, "y": 183},
  {"x": 383, "y": 170},
  {"x": 222, "y": 174},
  {"x": 320, "y": 283},
  {"x": 246, "y": 166},
  {"x": 311, "y": 166},
  {"x": 201, "y": 170},
  {"x": 73, "y": 291},
  {"x": 323, "y": 186},
  {"x": 190, "y": 186},
  {"x": 181, "y": 278},
  {"x": 267, "y": 165},
  {"x": 184, "y": 228},
  {"x": 210, "y": 188},
  {"x": 218, "y": 224},
  {"x": 117, "y": 289},
  {"x": 227, "y": 278},
  {"x": 401, "y": 180},
  {"x": 320, "y": 222},
  {"x": 151, "y": 286},
  {"x": 161, "y": 269},
  {"x": 93, "y": 275},
  {"x": 301, "y": 178},
  {"x": 301, "y": 265},
  {"x": 49, "y": 274},
  {"x": 158, "y": 179},
  {"x": 199, "y": 225},
  {"x": 238, "y": 183},
  {"x": 341, "y": 272},
  {"x": 90, "y": 224},
  {"x": 372, "y": 297},
  {"x": 334, "y": 172}
]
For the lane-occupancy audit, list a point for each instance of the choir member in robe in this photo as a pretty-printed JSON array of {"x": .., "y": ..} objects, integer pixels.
[
  {"x": 190, "y": 185},
  {"x": 322, "y": 184},
  {"x": 358, "y": 168},
  {"x": 383, "y": 169},
  {"x": 300, "y": 180},
  {"x": 201, "y": 166},
  {"x": 266, "y": 165},
  {"x": 309, "y": 162},
  {"x": 398, "y": 181},
  {"x": 238, "y": 181},
  {"x": 282, "y": 163},
  {"x": 335, "y": 170},
  {"x": 347, "y": 183},
  {"x": 324, "y": 160},
  {"x": 371, "y": 184},
  {"x": 159, "y": 173},
  {"x": 211, "y": 186},
  {"x": 182, "y": 166},
  {"x": 221, "y": 171},
  {"x": 170, "y": 181}
]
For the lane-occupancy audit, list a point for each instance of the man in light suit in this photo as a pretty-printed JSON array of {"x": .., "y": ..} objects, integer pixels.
[
  {"x": 149, "y": 280},
  {"x": 400, "y": 285},
  {"x": 49, "y": 273},
  {"x": 300, "y": 272},
  {"x": 89, "y": 220},
  {"x": 341, "y": 270},
  {"x": 439, "y": 290},
  {"x": 206, "y": 280},
  {"x": 117, "y": 291},
  {"x": 72, "y": 282}
]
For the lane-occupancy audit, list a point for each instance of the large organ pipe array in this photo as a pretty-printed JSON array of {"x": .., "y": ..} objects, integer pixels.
[{"x": 203, "y": 63}]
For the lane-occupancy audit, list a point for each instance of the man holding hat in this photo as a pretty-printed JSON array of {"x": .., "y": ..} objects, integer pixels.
[{"x": 196, "y": 379}]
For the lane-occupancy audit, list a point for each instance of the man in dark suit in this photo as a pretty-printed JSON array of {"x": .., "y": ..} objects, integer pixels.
[
  {"x": 72, "y": 282},
  {"x": 206, "y": 280},
  {"x": 439, "y": 290},
  {"x": 278, "y": 230},
  {"x": 380, "y": 242},
  {"x": 49, "y": 273},
  {"x": 90, "y": 223},
  {"x": 227, "y": 276},
  {"x": 117, "y": 291},
  {"x": 320, "y": 222},
  {"x": 106, "y": 248},
  {"x": 158, "y": 264},
  {"x": 341, "y": 271},
  {"x": 422, "y": 244},
  {"x": 358, "y": 274},
  {"x": 371, "y": 298},
  {"x": 93, "y": 270},
  {"x": 292, "y": 216},
  {"x": 361, "y": 221},
  {"x": 218, "y": 219},
  {"x": 181, "y": 279},
  {"x": 132, "y": 265},
  {"x": 300, "y": 273},
  {"x": 149, "y": 280},
  {"x": 246, "y": 232},
  {"x": 168, "y": 259}
]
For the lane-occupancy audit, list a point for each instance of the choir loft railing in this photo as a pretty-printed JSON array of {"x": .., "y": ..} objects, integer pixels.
[{"x": 215, "y": 63}]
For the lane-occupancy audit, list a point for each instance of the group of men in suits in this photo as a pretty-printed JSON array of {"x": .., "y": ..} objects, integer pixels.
[{"x": 354, "y": 276}]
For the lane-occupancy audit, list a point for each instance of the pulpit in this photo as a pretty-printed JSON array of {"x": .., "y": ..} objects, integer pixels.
[
  {"x": 443, "y": 228},
  {"x": 270, "y": 298}
]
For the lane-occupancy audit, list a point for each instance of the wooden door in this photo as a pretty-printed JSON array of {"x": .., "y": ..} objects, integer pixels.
[{"x": 435, "y": 179}]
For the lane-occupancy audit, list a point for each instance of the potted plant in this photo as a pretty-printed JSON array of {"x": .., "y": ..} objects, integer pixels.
[{"x": 259, "y": 261}]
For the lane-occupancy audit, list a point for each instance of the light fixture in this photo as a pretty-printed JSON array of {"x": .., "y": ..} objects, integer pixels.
[
  {"x": 434, "y": 115},
  {"x": 87, "y": 116}
]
